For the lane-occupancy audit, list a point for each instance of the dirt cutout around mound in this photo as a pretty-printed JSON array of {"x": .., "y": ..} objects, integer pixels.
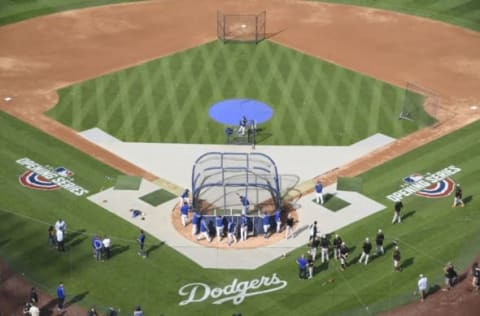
[{"x": 41, "y": 55}]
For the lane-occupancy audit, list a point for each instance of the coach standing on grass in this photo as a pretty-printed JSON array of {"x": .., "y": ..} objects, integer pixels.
[
  {"x": 302, "y": 267},
  {"x": 367, "y": 247},
  {"x": 397, "y": 218},
  {"x": 141, "y": 244},
  {"x": 379, "y": 243},
  {"x": 396, "y": 259}
]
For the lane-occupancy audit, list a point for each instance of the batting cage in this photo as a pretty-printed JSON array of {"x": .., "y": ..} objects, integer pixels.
[
  {"x": 241, "y": 27},
  {"x": 219, "y": 180},
  {"x": 418, "y": 102}
]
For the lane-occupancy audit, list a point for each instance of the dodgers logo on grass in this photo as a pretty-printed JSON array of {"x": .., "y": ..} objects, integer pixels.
[
  {"x": 46, "y": 178},
  {"x": 436, "y": 185}
]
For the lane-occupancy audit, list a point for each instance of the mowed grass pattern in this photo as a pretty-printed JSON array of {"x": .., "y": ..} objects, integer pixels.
[
  {"x": 464, "y": 13},
  {"x": 167, "y": 100},
  {"x": 432, "y": 234}
]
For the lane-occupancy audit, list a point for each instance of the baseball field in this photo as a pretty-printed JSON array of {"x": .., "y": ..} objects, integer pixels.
[{"x": 147, "y": 73}]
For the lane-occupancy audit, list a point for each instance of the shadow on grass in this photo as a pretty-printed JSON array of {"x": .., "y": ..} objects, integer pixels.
[
  {"x": 4, "y": 242},
  {"x": 409, "y": 214},
  {"x": 468, "y": 199},
  {"x": 406, "y": 263},
  {"x": 152, "y": 248},
  {"x": 75, "y": 242},
  {"x": 117, "y": 249},
  {"x": 77, "y": 298},
  {"x": 74, "y": 234}
]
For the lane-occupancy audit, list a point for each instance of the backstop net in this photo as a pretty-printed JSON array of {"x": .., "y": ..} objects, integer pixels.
[
  {"x": 241, "y": 27},
  {"x": 419, "y": 104},
  {"x": 219, "y": 179}
]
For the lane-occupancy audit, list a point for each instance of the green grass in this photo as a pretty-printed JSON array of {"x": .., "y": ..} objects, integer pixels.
[
  {"x": 157, "y": 197},
  {"x": 349, "y": 184},
  {"x": 464, "y": 13},
  {"x": 128, "y": 183},
  {"x": 14, "y": 10},
  {"x": 333, "y": 203},
  {"x": 167, "y": 100},
  {"x": 431, "y": 235}
]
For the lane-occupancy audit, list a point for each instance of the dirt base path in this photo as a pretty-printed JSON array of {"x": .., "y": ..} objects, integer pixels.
[{"x": 41, "y": 55}]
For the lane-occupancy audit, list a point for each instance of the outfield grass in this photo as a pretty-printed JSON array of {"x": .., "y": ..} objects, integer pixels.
[
  {"x": 464, "y": 13},
  {"x": 13, "y": 10},
  {"x": 430, "y": 235},
  {"x": 167, "y": 100}
]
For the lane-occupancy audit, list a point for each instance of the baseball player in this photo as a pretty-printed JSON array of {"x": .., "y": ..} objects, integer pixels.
[
  {"x": 266, "y": 224},
  {"x": 278, "y": 220},
  {"x": 422, "y": 286},
  {"x": 313, "y": 231},
  {"x": 450, "y": 276},
  {"x": 290, "y": 231},
  {"x": 195, "y": 222},
  {"x": 242, "y": 126},
  {"x": 396, "y": 215},
  {"x": 367, "y": 247},
  {"x": 324, "y": 244},
  {"x": 319, "y": 192},
  {"x": 458, "y": 199},
  {"x": 184, "y": 197},
  {"x": 141, "y": 244},
  {"x": 313, "y": 247},
  {"x": 245, "y": 204},
  {"x": 310, "y": 266},
  {"x": 396, "y": 259},
  {"x": 337, "y": 243},
  {"x": 219, "y": 226},
  {"x": 379, "y": 242},
  {"x": 61, "y": 225},
  {"x": 231, "y": 236},
  {"x": 344, "y": 251},
  {"x": 302, "y": 267},
  {"x": 204, "y": 230},
  {"x": 184, "y": 213},
  {"x": 243, "y": 227}
]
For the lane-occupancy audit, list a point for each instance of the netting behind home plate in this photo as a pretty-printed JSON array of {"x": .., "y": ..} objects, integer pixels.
[{"x": 219, "y": 179}]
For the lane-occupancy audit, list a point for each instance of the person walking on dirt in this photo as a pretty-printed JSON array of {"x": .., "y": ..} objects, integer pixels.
[
  {"x": 290, "y": 231},
  {"x": 450, "y": 276},
  {"x": 278, "y": 220},
  {"x": 60, "y": 297}
]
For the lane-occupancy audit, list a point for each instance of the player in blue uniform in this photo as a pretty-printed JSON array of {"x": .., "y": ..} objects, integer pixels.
[
  {"x": 195, "y": 222},
  {"x": 278, "y": 220},
  {"x": 243, "y": 227},
  {"x": 184, "y": 197},
  {"x": 219, "y": 226},
  {"x": 141, "y": 244},
  {"x": 266, "y": 224},
  {"x": 319, "y": 192},
  {"x": 242, "y": 125},
  {"x": 231, "y": 228},
  {"x": 204, "y": 231},
  {"x": 245, "y": 204},
  {"x": 184, "y": 213}
]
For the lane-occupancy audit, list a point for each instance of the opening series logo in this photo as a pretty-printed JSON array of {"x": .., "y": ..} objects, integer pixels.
[
  {"x": 436, "y": 185},
  {"x": 47, "y": 178}
]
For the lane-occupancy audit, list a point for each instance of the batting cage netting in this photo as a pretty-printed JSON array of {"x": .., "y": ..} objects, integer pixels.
[
  {"x": 241, "y": 27},
  {"x": 219, "y": 180}
]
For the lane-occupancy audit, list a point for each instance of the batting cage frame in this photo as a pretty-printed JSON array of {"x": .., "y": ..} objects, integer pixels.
[
  {"x": 241, "y": 27},
  {"x": 410, "y": 106},
  {"x": 220, "y": 178}
]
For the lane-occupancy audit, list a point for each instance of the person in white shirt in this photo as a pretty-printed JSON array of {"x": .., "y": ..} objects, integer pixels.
[
  {"x": 61, "y": 225},
  {"x": 34, "y": 311},
  {"x": 422, "y": 286},
  {"x": 106, "y": 246},
  {"x": 60, "y": 241}
]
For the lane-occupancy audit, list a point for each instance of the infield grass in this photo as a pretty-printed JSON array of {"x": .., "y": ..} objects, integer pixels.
[
  {"x": 431, "y": 234},
  {"x": 464, "y": 13},
  {"x": 167, "y": 100}
]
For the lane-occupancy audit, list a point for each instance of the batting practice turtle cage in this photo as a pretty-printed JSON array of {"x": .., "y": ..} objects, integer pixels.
[
  {"x": 219, "y": 179},
  {"x": 241, "y": 27}
]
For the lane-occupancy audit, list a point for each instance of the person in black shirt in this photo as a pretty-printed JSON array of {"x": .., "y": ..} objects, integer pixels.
[
  {"x": 33, "y": 297},
  {"x": 458, "y": 196},
  {"x": 337, "y": 242},
  {"x": 290, "y": 231},
  {"x": 396, "y": 259},
  {"x": 450, "y": 276},
  {"x": 343, "y": 256},
  {"x": 396, "y": 215},
  {"x": 367, "y": 247},
  {"x": 324, "y": 244},
  {"x": 313, "y": 247},
  {"x": 379, "y": 242}
]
